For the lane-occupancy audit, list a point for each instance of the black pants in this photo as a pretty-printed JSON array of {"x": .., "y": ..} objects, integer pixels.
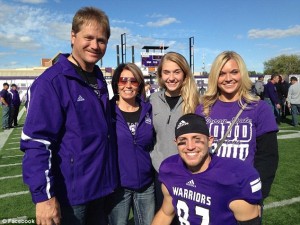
[{"x": 13, "y": 117}]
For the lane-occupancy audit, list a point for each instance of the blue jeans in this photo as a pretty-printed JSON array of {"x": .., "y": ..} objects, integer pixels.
[
  {"x": 122, "y": 200},
  {"x": 274, "y": 109},
  {"x": 5, "y": 116},
  {"x": 91, "y": 213},
  {"x": 295, "y": 111}
]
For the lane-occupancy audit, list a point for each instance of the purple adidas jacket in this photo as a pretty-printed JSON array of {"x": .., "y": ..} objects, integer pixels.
[
  {"x": 15, "y": 98},
  {"x": 135, "y": 165},
  {"x": 67, "y": 138}
]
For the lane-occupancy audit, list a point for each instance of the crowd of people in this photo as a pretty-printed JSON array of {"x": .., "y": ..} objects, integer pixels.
[
  {"x": 10, "y": 102},
  {"x": 275, "y": 92},
  {"x": 172, "y": 157}
]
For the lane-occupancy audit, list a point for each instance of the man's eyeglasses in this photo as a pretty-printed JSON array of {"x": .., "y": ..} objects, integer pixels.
[{"x": 123, "y": 81}]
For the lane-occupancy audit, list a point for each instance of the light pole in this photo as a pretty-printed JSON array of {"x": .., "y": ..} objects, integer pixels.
[
  {"x": 191, "y": 39},
  {"x": 123, "y": 47}
]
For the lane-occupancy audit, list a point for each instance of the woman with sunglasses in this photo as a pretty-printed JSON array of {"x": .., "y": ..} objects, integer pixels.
[
  {"x": 178, "y": 96},
  {"x": 134, "y": 129}
]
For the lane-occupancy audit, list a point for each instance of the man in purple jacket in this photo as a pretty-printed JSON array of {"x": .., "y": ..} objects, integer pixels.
[
  {"x": 203, "y": 188},
  {"x": 15, "y": 105},
  {"x": 70, "y": 154},
  {"x": 271, "y": 96},
  {"x": 5, "y": 100}
]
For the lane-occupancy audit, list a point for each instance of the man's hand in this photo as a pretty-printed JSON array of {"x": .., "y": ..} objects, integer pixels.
[{"x": 48, "y": 212}]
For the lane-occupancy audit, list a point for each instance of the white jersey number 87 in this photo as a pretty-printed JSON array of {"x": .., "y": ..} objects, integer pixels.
[{"x": 183, "y": 207}]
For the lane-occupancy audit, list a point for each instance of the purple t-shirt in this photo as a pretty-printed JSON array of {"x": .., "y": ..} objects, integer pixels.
[
  {"x": 257, "y": 119},
  {"x": 204, "y": 198}
]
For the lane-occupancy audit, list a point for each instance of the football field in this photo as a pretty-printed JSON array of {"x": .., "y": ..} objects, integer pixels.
[{"x": 282, "y": 207}]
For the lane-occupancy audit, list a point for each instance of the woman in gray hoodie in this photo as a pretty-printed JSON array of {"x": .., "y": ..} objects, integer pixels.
[{"x": 178, "y": 96}]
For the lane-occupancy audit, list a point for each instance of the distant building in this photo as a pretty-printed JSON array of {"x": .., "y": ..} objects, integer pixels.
[{"x": 24, "y": 77}]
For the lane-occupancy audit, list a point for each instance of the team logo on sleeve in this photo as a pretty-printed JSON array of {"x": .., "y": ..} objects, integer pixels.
[
  {"x": 148, "y": 119},
  {"x": 255, "y": 185},
  {"x": 191, "y": 183}
]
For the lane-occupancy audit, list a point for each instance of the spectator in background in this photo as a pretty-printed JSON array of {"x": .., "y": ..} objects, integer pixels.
[
  {"x": 282, "y": 91},
  {"x": 147, "y": 89},
  {"x": 271, "y": 96},
  {"x": 135, "y": 137},
  {"x": 253, "y": 138},
  {"x": 179, "y": 95},
  {"x": 293, "y": 100},
  {"x": 70, "y": 161},
  {"x": 259, "y": 86},
  {"x": 5, "y": 98},
  {"x": 15, "y": 105}
]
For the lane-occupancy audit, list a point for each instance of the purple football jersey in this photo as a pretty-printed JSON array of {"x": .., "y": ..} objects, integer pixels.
[
  {"x": 204, "y": 198},
  {"x": 257, "y": 119}
]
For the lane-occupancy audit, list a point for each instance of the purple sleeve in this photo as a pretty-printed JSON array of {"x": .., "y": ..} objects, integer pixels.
[
  {"x": 251, "y": 187},
  {"x": 265, "y": 119},
  {"x": 250, "y": 184},
  {"x": 41, "y": 128}
]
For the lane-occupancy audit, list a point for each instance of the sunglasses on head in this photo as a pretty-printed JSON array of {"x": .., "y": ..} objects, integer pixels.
[{"x": 124, "y": 80}]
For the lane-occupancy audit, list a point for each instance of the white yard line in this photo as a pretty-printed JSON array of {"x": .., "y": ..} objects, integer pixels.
[
  {"x": 5, "y": 134},
  {"x": 12, "y": 143},
  {"x": 14, "y": 194},
  {"x": 16, "y": 138},
  {"x": 282, "y": 203},
  {"x": 293, "y": 134},
  {"x": 8, "y": 149},
  {"x": 13, "y": 164},
  {"x": 10, "y": 177},
  {"x": 11, "y": 156}
]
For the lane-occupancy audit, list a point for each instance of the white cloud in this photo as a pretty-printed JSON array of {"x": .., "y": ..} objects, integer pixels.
[
  {"x": 239, "y": 36},
  {"x": 163, "y": 22},
  {"x": 289, "y": 51},
  {"x": 116, "y": 33},
  {"x": 114, "y": 21},
  {"x": 274, "y": 33},
  {"x": 31, "y": 1},
  {"x": 18, "y": 42},
  {"x": 156, "y": 15},
  {"x": 61, "y": 30},
  {"x": 267, "y": 45},
  {"x": 6, "y": 53},
  {"x": 31, "y": 28}
]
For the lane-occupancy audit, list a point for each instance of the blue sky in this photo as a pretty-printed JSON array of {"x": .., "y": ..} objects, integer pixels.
[{"x": 258, "y": 29}]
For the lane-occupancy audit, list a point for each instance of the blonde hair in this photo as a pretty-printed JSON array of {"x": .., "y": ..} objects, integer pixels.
[
  {"x": 189, "y": 93},
  {"x": 212, "y": 93}
]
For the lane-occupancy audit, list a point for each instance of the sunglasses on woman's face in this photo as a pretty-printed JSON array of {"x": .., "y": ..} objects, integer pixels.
[{"x": 123, "y": 81}]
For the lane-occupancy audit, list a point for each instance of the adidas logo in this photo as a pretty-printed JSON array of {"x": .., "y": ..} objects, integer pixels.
[
  {"x": 191, "y": 183},
  {"x": 80, "y": 99},
  {"x": 182, "y": 123}
]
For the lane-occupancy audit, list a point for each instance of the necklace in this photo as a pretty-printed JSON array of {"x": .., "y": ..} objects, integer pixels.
[{"x": 82, "y": 70}]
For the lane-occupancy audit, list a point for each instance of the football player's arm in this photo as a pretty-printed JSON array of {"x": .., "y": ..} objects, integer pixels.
[
  {"x": 245, "y": 213},
  {"x": 166, "y": 213}
]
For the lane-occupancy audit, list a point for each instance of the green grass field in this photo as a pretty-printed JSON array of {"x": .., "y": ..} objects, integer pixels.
[{"x": 282, "y": 206}]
